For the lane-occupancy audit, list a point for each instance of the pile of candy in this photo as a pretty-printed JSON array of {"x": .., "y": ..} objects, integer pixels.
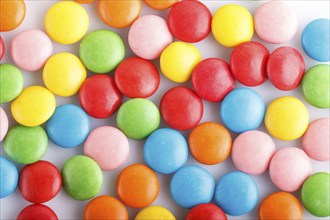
[{"x": 165, "y": 150}]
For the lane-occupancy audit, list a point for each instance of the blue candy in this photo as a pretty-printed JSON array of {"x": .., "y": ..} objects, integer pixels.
[{"x": 8, "y": 177}]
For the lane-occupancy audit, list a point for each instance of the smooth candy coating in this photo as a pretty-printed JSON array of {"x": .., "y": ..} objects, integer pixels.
[
  {"x": 8, "y": 177},
  {"x": 154, "y": 213},
  {"x": 160, "y": 4},
  {"x": 12, "y": 14},
  {"x": 2, "y": 48},
  {"x": 3, "y": 124},
  {"x": 11, "y": 82},
  {"x": 206, "y": 212},
  {"x": 37, "y": 212}
]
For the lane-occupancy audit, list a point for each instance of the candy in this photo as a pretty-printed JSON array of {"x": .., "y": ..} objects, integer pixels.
[
  {"x": 212, "y": 79},
  {"x": 138, "y": 118},
  {"x": 206, "y": 212},
  {"x": 236, "y": 193},
  {"x": 137, "y": 78},
  {"x": 285, "y": 68},
  {"x": 82, "y": 178},
  {"x": 12, "y": 14},
  {"x": 286, "y": 118},
  {"x": 178, "y": 61},
  {"x": 37, "y": 212},
  {"x": 11, "y": 82},
  {"x": 154, "y": 213},
  {"x": 108, "y": 146},
  {"x": 66, "y": 22},
  {"x": 137, "y": 186},
  {"x": 246, "y": 106},
  {"x": 191, "y": 186},
  {"x": 39, "y": 182},
  {"x": 289, "y": 168},
  {"x": 248, "y": 63},
  {"x": 25, "y": 145},
  {"x": 181, "y": 108},
  {"x": 101, "y": 51},
  {"x": 210, "y": 143},
  {"x": 8, "y": 177},
  {"x": 3, "y": 124},
  {"x": 232, "y": 25},
  {"x": 2, "y": 48},
  {"x": 165, "y": 151},
  {"x": 160, "y": 4}
]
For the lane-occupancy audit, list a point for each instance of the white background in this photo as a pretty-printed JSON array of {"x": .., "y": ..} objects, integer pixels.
[{"x": 67, "y": 208}]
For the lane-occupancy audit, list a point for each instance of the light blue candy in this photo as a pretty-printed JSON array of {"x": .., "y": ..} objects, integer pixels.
[
  {"x": 69, "y": 126},
  {"x": 236, "y": 193},
  {"x": 8, "y": 177},
  {"x": 165, "y": 151},
  {"x": 242, "y": 110},
  {"x": 315, "y": 39},
  {"x": 191, "y": 186}
]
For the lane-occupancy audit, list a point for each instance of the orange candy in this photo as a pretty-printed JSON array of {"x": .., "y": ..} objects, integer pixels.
[
  {"x": 137, "y": 186},
  {"x": 160, "y": 4},
  {"x": 84, "y": 1},
  {"x": 210, "y": 143},
  {"x": 12, "y": 14}
]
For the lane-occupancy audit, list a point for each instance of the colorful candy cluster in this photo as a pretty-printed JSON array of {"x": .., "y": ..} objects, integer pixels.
[{"x": 166, "y": 150}]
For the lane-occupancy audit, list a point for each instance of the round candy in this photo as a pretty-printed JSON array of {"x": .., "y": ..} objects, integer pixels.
[
  {"x": 2, "y": 48},
  {"x": 12, "y": 14},
  {"x": 3, "y": 124},
  {"x": 137, "y": 78},
  {"x": 25, "y": 145},
  {"x": 101, "y": 51},
  {"x": 40, "y": 182},
  {"x": 236, "y": 193},
  {"x": 242, "y": 110},
  {"x": 34, "y": 106},
  {"x": 206, "y": 212},
  {"x": 119, "y": 14},
  {"x": 315, "y": 194},
  {"x": 165, "y": 151},
  {"x": 316, "y": 140},
  {"x": 189, "y": 21},
  {"x": 137, "y": 186},
  {"x": 316, "y": 86},
  {"x": 63, "y": 74},
  {"x": 232, "y": 25},
  {"x": 31, "y": 49},
  {"x": 99, "y": 96},
  {"x": 289, "y": 168},
  {"x": 11, "y": 82},
  {"x": 181, "y": 108},
  {"x": 160, "y": 4},
  {"x": 248, "y": 63},
  {"x": 105, "y": 207},
  {"x": 82, "y": 178},
  {"x": 178, "y": 61},
  {"x": 252, "y": 152},
  {"x": 280, "y": 205},
  {"x": 138, "y": 118},
  {"x": 210, "y": 143},
  {"x": 66, "y": 22},
  {"x": 37, "y": 212},
  {"x": 84, "y": 1},
  {"x": 285, "y": 68},
  {"x": 69, "y": 126},
  {"x": 191, "y": 186},
  {"x": 286, "y": 118},
  {"x": 8, "y": 177},
  {"x": 212, "y": 79},
  {"x": 108, "y": 146},
  {"x": 315, "y": 39},
  {"x": 154, "y": 213}
]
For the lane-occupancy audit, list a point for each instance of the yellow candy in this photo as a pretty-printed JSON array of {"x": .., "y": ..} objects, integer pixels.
[
  {"x": 232, "y": 25},
  {"x": 178, "y": 61},
  {"x": 286, "y": 118},
  {"x": 33, "y": 106},
  {"x": 63, "y": 74},
  {"x": 66, "y": 22},
  {"x": 154, "y": 213}
]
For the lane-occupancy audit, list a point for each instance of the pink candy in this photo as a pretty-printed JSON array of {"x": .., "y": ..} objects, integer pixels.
[{"x": 3, "y": 124}]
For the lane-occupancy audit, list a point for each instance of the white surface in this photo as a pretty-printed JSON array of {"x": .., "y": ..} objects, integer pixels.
[{"x": 67, "y": 208}]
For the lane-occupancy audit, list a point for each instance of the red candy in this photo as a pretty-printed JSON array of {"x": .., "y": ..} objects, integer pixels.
[
  {"x": 37, "y": 212},
  {"x": 99, "y": 96},
  {"x": 285, "y": 68},
  {"x": 212, "y": 79},
  {"x": 248, "y": 63},
  {"x": 190, "y": 21},
  {"x": 206, "y": 212},
  {"x": 2, "y": 48},
  {"x": 137, "y": 78},
  {"x": 181, "y": 108}
]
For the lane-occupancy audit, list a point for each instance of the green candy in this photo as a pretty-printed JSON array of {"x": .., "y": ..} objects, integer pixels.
[
  {"x": 25, "y": 145},
  {"x": 11, "y": 82},
  {"x": 82, "y": 177},
  {"x": 138, "y": 118},
  {"x": 101, "y": 51},
  {"x": 315, "y": 194},
  {"x": 316, "y": 86}
]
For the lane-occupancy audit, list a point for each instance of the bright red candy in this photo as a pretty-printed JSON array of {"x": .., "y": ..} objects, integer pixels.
[
  {"x": 137, "y": 78},
  {"x": 181, "y": 108},
  {"x": 2, "y": 48},
  {"x": 37, "y": 212},
  {"x": 206, "y": 212},
  {"x": 286, "y": 68},
  {"x": 212, "y": 79},
  {"x": 248, "y": 63},
  {"x": 99, "y": 96},
  {"x": 190, "y": 21}
]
